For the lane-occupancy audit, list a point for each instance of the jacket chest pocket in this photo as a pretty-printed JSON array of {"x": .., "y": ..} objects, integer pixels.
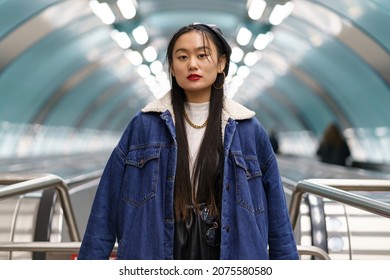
[
  {"x": 141, "y": 175},
  {"x": 249, "y": 187}
]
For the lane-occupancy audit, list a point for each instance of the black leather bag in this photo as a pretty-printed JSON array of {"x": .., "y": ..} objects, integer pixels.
[{"x": 198, "y": 237}]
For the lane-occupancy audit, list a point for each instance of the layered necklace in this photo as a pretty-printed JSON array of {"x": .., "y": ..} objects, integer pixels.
[{"x": 192, "y": 124}]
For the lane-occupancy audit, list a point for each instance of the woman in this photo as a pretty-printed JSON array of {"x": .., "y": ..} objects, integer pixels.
[
  {"x": 333, "y": 148},
  {"x": 194, "y": 175}
]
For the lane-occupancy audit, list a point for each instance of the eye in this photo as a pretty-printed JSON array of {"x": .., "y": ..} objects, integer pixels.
[
  {"x": 203, "y": 55},
  {"x": 182, "y": 57}
]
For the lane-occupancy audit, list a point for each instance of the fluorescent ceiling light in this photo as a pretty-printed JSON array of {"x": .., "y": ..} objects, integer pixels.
[
  {"x": 150, "y": 54},
  {"x": 256, "y": 8},
  {"x": 280, "y": 12},
  {"x": 103, "y": 11},
  {"x": 121, "y": 38},
  {"x": 244, "y": 36},
  {"x": 237, "y": 54},
  {"x": 156, "y": 67},
  {"x": 134, "y": 57},
  {"x": 251, "y": 58},
  {"x": 140, "y": 35},
  {"x": 243, "y": 71},
  {"x": 262, "y": 40},
  {"x": 143, "y": 70},
  {"x": 127, "y": 8}
]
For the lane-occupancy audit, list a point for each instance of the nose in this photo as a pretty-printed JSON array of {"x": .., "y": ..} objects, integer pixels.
[{"x": 193, "y": 63}]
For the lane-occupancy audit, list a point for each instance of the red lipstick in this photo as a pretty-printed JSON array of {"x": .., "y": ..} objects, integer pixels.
[{"x": 193, "y": 77}]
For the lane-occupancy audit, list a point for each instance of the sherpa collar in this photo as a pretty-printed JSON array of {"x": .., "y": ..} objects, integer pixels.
[{"x": 231, "y": 109}]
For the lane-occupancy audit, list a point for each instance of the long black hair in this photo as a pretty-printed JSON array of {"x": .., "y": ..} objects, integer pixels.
[{"x": 208, "y": 168}]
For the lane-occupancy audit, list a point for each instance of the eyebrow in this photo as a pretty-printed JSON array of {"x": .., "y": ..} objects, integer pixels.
[{"x": 199, "y": 48}]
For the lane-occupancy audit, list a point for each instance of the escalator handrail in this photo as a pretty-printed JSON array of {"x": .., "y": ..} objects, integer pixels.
[
  {"x": 83, "y": 178},
  {"x": 41, "y": 183},
  {"x": 71, "y": 247},
  {"x": 45, "y": 182},
  {"x": 338, "y": 190}
]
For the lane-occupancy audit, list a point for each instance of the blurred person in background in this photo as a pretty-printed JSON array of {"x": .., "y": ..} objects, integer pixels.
[
  {"x": 333, "y": 147},
  {"x": 273, "y": 138}
]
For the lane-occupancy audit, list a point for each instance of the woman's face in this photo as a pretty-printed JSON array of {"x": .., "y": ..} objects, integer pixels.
[{"x": 195, "y": 65}]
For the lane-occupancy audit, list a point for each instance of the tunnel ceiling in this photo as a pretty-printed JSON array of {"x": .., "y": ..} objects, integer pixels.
[{"x": 325, "y": 60}]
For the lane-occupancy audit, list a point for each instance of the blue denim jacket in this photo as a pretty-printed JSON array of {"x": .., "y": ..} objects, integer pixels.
[{"x": 134, "y": 200}]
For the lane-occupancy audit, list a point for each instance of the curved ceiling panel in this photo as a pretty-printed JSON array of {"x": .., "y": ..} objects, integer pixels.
[
  {"x": 341, "y": 72},
  {"x": 13, "y": 13},
  {"x": 348, "y": 32},
  {"x": 60, "y": 45},
  {"x": 107, "y": 103},
  {"x": 104, "y": 106},
  {"x": 286, "y": 116},
  {"x": 44, "y": 62},
  {"x": 366, "y": 15},
  {"x": 79, "y": 98},
  {"x": 32, "y": 30},
  {"x": 312, "y": 108}
]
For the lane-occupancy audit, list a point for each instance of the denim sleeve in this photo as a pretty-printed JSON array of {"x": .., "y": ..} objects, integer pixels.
[
  {"x": 281, "y": 239},
  {"x": 100, "y": 234}
]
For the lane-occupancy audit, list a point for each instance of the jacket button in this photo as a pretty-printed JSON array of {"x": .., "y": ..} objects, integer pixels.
[
  {"x": 227, "y": 187},
  {"x": 227, "y": 228}
]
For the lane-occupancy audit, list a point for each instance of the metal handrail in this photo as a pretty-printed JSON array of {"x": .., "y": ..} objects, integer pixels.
[
  {"x": 83, "y": 178},
  {"x": 337, "y": 190},
  {"x": 13, "y": 178},
  {"x": 42, "y": 183},
  {"x": 41, "y": 246},
  {"x": 71, "y": 247},
  {"x": 27, "y": 183},
  {"x": 312, "y": 251}
]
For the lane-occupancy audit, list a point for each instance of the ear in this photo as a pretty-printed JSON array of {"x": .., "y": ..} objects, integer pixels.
[
  {"x": 172, "y": 72},
  {"x": 221, "y": 63}
]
